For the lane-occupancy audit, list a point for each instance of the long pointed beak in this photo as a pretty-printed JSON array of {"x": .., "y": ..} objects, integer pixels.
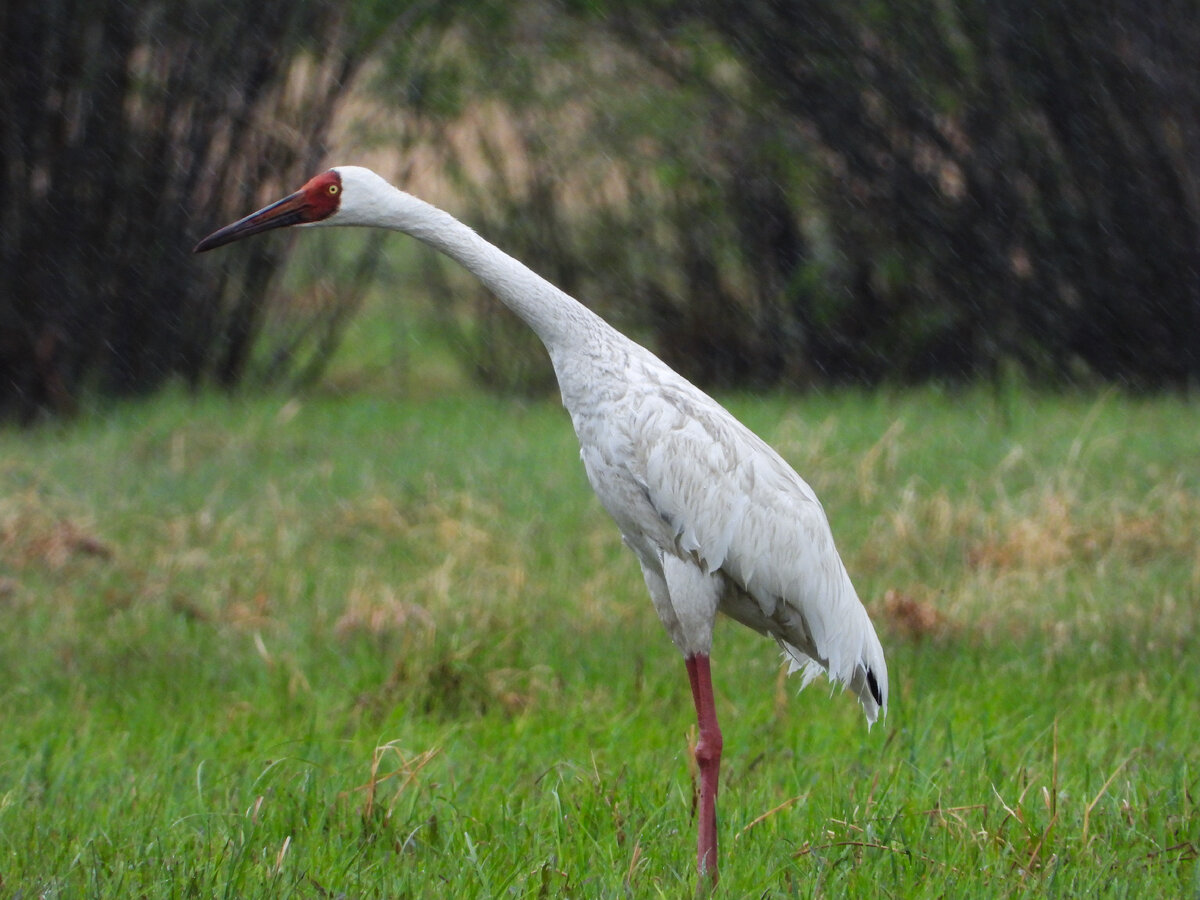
[{"x": 281, "y": 213}]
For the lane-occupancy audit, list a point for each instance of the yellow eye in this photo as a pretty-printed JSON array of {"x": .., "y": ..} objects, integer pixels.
[{"x": 333, "y": 189}]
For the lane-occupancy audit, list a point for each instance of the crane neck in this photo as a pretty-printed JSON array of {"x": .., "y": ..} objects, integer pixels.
[{"x": 557, "y": 318}]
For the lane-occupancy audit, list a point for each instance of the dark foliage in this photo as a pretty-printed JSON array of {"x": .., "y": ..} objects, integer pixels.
[
  {"x": 1004, "y": 182},
  {"x": 126, "y": 130},
  {"x": 771, "y": 193}
]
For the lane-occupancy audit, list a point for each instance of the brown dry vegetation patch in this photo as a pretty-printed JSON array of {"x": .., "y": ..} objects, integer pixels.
[
  {"x": 1060, "y": 529},
  {"x": 1046, "y": 560},
  {"x": 33, "y": 534},
  {"x": 916, "y": 617},
  {"x": 466, "y": 566}
]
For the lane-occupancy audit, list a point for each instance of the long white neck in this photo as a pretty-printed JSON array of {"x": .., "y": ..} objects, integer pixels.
[{"x": 557, "y": 318}]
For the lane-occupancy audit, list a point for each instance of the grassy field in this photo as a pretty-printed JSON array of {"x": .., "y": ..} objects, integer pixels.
[{"x": 362, "y": 646}]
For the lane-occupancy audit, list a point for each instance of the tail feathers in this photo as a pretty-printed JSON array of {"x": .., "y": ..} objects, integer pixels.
[{"x": 866, "y": 676}]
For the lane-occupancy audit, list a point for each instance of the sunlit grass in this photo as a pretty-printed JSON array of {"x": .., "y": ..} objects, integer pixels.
[{"x": 356, "y": 646}]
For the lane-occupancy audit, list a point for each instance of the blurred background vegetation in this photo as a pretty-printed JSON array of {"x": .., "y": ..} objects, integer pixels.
[{"x": 769, "y": 194}]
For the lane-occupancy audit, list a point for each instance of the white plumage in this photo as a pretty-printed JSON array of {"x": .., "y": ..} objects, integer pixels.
[
  {"x": 686, "y": 481},
  {"x": 717, "y": 519}
]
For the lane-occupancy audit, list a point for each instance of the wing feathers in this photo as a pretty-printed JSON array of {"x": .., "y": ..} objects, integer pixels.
[{"x": 736, "y": 507}]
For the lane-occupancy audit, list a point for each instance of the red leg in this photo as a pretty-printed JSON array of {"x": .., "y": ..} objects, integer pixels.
[{"x": 708, "y": 758}]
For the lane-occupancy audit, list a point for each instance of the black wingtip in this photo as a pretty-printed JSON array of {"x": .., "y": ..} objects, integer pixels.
[{"x": 874, "y": 687}]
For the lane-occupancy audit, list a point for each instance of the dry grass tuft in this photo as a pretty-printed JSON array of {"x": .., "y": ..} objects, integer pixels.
[
  {"x": 1061, "y": 529},
  {"x": 375, "y": 608},
  {"x": 32, "y": 534},
  {"x": 1045, "y": 556},
  {"x": 878, "y": 465},
  {"x": 1044, "y": 538},
  {"x": 914, "y": 617},
  {"x": 466, "y": 567}
]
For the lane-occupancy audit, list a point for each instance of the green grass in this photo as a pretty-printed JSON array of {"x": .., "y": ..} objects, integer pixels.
[{"x": 365, "y": 647}]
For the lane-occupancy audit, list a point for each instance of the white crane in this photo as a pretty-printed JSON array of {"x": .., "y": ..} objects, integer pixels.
[{"x": 718, "y": 520}]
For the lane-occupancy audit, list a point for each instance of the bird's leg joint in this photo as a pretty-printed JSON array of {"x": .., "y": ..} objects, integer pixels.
[
  {"x": 709, "y": 746},
  {"x": 710, "y": 743}
]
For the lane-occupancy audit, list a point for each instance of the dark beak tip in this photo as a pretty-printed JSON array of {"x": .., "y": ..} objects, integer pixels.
[
  {"x": 210, "y": 243},
  {"x": 280, "y": 214},
  {"x": 219, "y": 238}
]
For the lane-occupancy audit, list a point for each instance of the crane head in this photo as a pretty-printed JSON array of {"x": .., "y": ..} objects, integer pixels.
[{"x": 319, "y": 199}]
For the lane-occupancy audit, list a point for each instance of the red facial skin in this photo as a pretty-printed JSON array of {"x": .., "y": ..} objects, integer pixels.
[
  {"x": 323, "y": 194},
  {"x": 318, "y": 199}
]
